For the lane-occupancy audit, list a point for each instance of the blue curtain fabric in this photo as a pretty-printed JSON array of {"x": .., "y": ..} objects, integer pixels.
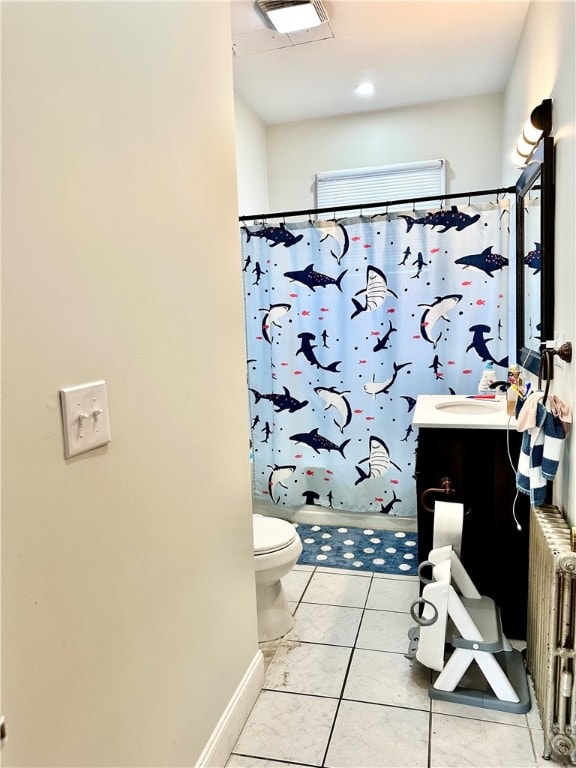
[{"x": 347, "y": 322}]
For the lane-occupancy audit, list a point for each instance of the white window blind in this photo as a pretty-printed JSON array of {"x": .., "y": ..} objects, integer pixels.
[{"x": 356, "y": 186}]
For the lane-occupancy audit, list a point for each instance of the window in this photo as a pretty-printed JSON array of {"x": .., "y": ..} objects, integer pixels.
[{"x": 380, "y": 184}]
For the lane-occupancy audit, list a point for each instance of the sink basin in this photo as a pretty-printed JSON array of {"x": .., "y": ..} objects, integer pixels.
[
  {"x": 470, "y": 407},
  {"x": 461, "y": 412}
]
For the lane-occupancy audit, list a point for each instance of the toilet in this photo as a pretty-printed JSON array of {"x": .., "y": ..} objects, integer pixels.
[{"x": 277, "y": 547}]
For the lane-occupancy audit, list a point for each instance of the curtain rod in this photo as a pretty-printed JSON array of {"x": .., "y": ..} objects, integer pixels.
[{"x": 407, "y": 200}]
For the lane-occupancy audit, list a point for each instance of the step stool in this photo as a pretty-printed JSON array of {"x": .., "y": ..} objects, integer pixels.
[{"x": 473, "y": 623}]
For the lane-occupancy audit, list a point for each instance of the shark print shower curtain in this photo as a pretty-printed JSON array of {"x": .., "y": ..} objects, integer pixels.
[{"x": 347, "y": 322}]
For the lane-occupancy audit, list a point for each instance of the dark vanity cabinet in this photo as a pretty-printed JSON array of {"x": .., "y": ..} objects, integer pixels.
[{"x": 494, "y": 551}]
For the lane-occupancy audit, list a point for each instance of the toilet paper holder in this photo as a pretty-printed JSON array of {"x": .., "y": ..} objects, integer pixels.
[{"x": 446, "y": 487}]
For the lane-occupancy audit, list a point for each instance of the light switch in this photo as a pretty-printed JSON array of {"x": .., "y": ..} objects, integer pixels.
[{"x": 84, "y": 417}]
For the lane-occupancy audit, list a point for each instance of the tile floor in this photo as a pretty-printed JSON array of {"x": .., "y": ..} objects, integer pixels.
[{"x": 340, "y": 693}]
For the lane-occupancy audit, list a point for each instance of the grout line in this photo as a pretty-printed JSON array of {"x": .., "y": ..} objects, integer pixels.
[
  {"x": 301, "y": 598},
  {"x": 299, "y": 693},
  {"x": 340, "y": 698},
  {"x": 316, "y": 642},
  {"x": 429, "y": 759},
  {"x": 386, "y": 706},
  {"x": 535, "y": 748},
  {"x": 271, "y": 759}
]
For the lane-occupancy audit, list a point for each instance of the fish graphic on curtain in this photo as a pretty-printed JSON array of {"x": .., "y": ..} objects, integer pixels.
[{"x": 347, "y": 323}]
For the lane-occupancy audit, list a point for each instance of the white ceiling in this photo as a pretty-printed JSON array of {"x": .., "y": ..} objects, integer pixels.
[{"x": 414, "y": 52}]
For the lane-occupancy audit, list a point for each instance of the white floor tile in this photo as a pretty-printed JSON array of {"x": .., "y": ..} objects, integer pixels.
[
  {"x": 538, "y": 747},
  {"x": 534, "y": 718},
  {"x": 294, "y": 584},
  {"x": 385, "y": 631},
  {"x": 384, "y": 716},
  {"x": 392, "y": 594},
  {"x": 373, "y": 736},
  {"x": 287, "y": 726},
  {"x": 240, "y": 761},
  {"x": 459, "y": 741},
  {"x": 388, "y": 678},
  {"x": 478, "y": 713},
  {"x": 308, "y": 668},
  {"x": 268, "y": 649},
  {"x": 399, "y": 576},
  {"x": 345, "y": 571},
  {"x": 329, "y": 624},
  {"x": 337, "y": 589}
]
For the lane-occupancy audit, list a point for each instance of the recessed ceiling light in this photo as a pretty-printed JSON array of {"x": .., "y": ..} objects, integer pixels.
[{"x": 365, "y": 89}]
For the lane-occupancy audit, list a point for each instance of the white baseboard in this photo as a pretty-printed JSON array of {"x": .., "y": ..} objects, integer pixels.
[{"x": 217, "y": 751}]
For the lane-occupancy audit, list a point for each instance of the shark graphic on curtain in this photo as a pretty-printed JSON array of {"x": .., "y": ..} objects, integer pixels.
[{"x": 347, "y": 322}]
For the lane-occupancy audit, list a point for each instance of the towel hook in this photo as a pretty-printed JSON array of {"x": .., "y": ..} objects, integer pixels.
[
  {"x": 544, "y": 371},
  {"x": 564, "y": 352}
]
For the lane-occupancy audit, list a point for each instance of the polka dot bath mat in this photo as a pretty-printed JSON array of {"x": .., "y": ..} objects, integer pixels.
[{"x": 360, "y": 549}]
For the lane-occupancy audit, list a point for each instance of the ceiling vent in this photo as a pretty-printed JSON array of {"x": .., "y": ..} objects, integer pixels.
[{"x": 293, "y": 15}]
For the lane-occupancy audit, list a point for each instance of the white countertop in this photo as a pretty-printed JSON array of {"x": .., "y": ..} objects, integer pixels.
[{"x": 428, "y": 414}]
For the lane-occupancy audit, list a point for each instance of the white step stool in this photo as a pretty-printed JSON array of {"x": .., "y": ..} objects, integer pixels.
[{"x": 477, "y": 636}]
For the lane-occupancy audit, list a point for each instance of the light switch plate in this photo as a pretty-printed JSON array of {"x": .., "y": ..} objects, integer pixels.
[{"x": 85, "y": 417}]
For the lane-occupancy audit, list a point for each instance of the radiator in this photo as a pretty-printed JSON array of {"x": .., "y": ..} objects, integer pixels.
[{"x": 552, "y": 629}]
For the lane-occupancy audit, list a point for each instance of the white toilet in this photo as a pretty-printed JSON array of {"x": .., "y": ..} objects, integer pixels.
[{"x": 277, "y": 547}]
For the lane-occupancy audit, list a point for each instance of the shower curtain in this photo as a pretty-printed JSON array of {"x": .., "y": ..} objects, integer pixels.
[{"x": 347, "y": 322}]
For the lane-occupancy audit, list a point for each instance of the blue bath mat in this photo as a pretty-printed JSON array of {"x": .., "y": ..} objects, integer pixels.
[{"x": 359, "y": 549}]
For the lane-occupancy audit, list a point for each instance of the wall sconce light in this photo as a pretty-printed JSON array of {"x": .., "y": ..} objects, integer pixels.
[
  {"x": 293, "y": 15},
  {"x": 537, "y": 126}
]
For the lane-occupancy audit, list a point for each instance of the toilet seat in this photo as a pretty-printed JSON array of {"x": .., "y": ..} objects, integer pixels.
[{"x": 271, "y": 534}]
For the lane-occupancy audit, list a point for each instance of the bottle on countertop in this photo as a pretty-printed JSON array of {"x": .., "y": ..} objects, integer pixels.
[
  {"x": 487, "y": 378},
  {"x": 512, "y": 391}
]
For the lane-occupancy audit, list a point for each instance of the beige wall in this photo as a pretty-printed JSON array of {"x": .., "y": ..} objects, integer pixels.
[
  {"x": 128, "y": 587},
  {"x": 458, "y": 130},
  {"x": 251, "y": 160},
  {"x": 545, "y": 67}
]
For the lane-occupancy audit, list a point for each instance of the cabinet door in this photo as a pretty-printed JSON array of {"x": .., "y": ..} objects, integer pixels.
[{"x": 494, "y": 551}]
